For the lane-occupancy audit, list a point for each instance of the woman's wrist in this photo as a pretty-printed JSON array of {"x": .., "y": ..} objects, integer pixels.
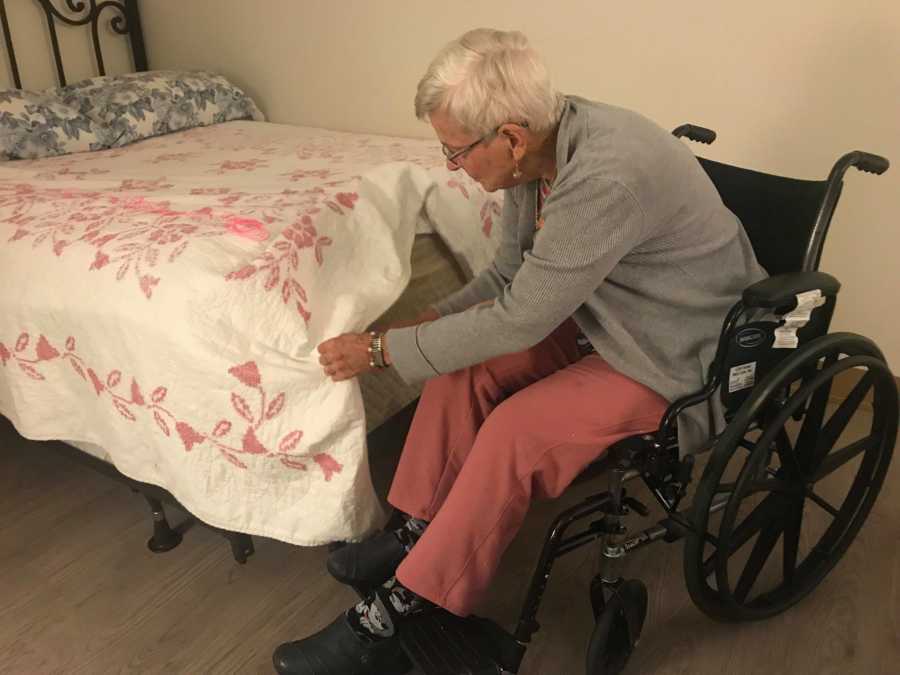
[
  {"x": 375, "y": 349},
  {"x": 430, "y": 314}
]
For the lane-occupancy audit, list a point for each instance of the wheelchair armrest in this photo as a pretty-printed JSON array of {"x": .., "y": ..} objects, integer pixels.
[{"x": 780, "y": 291}]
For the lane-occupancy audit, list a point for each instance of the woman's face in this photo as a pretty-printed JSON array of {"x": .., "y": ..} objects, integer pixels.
[{"x": 487, "y": 159}]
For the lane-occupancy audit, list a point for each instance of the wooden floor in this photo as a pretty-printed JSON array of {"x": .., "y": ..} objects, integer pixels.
[{"x": 80, "y": 592}]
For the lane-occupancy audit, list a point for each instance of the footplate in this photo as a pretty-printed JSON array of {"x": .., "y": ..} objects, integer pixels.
[{"x": 440, "y": 643}]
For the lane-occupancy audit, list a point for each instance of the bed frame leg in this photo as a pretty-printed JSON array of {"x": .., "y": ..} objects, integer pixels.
[
  {"x": 241, "y": 546},
  {"x": 164, "y": 537}
]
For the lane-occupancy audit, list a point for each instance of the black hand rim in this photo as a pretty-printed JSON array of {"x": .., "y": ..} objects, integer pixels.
[{"x": 722, "y": 604}]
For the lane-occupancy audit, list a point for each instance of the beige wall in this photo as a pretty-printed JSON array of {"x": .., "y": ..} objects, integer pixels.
[{"x": 789, "y": 85}]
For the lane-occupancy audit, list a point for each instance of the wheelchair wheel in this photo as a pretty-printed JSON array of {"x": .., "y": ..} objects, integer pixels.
[
  {"x": 796, "y": 478},
  {"x": 619, "y": 610}
]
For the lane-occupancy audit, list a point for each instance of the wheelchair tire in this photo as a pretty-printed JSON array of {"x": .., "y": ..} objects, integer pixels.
[
  {"x": 778, "y": 482},
  {"x": 620, "y": 612}
]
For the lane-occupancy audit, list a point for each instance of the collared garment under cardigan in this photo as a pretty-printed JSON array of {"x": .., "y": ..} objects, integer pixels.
[{"x": 636, "y": 246}]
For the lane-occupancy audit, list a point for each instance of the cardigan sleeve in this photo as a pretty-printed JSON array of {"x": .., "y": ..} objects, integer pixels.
[
  {"x": 489, "y": 283},
  {"x": 590, "y": 224}
]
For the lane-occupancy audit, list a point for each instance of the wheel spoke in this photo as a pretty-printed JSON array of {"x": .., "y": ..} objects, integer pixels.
[
  {"x": 709, "y": 565},
  {"x": 787, "y": 453},
  {"x": 757, "y": 519},
  {"x": 838, "y": 458},
  {"x": 774, "y": 483},
  {"x": 779, "y": 485},
  {"x": 753, "y": 523},
  {"x": 758, "y": 556},
  {"x": 815, "y": 413},
  {"x": 816, "y": 499},
  {"x": 837, "y": 423},
  {"x": 792, "y": 524}
]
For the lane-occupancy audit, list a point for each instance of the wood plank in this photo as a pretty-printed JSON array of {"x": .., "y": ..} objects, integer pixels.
[{"x": 82, "y": 594}]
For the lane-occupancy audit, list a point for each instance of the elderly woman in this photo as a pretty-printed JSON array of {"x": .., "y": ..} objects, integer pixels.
[{"x": 618, "y": 262}]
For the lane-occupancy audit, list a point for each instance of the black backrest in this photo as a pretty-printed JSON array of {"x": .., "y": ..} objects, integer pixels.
[{"x": 778, "y": 213}]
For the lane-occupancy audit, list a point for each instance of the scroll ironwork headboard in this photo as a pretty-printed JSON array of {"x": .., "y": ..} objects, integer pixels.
[{"x": 124, "y": 20}]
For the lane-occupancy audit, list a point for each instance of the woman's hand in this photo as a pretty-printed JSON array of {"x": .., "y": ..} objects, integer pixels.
[
  {"x": 348, "y": 355},
  {"x": 345, "y": 356}
]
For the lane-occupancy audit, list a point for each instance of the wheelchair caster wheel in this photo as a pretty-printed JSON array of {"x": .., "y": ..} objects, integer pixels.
[{"x": 620, "y": 612}]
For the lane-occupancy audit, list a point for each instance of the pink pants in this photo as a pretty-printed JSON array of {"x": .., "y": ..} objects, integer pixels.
[{"x": 488, "y": 438}]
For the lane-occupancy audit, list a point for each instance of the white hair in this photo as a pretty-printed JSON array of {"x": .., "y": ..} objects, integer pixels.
[{"x": 487, "y": 78}]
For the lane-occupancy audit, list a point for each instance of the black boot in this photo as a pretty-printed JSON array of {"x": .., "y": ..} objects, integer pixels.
[
  {"x": 369, "y": 563},
  {"x": 338, "y": 649}
]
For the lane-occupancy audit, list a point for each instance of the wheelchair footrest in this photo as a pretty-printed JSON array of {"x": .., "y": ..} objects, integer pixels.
[{"x": 440, "y": 643}]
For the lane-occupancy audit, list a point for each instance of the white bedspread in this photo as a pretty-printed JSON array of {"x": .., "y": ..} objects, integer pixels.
[{"x": 164, "y": 301}]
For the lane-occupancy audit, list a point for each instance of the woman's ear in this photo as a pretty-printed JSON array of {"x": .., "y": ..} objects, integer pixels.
[{"x": 516, "y": 141}]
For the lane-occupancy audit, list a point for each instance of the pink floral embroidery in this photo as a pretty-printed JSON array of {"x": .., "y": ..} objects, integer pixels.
[
  {"x": 277, "y": 264},
  {"x": 145, "y": 185},
  {"x": 210, "y": 191},
  {"x": 132, "y": 235},
  {"x": 67, "y": 173},
  {"x": 328, "y": 465},
  {"x": 138, "y": 238},
  {"x": 247, "y": 227},
  {"x": 489, "y": 210},
  {"x": 303, "y": 174},
  {"x": 173, "y": 157},
  {"x": 240, "y": 165},
  {"x": 347, "y": 199},
  {"x": 456, "y": 185},
  {"x": 252, "y": 417}
]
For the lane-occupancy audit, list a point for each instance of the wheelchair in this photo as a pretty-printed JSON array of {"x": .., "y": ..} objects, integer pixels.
[{"x": 773, "y": 373}]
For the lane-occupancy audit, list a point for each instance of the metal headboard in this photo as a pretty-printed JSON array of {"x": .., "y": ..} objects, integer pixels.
[{"x": 125, "y": 20}]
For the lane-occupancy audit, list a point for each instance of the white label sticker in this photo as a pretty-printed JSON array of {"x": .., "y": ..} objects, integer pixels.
[
  {"x": 786, "y": 338},
  {"x": 796, "y": 319},
  {"x": 741, "y": 377},
  {"x": 810, "y": 299}
]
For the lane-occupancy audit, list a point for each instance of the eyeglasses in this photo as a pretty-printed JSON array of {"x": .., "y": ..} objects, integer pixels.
[{"x": 455, "y": 157}]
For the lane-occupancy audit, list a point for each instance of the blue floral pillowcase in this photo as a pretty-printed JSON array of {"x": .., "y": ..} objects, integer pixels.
[
  {"x": 36, "y": 124},
  {"x": 112, "y": 111},
  {"x": 140, "y": 105}
]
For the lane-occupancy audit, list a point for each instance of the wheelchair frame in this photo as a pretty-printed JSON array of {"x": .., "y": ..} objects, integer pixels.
[{"x": 656, "y": 459}]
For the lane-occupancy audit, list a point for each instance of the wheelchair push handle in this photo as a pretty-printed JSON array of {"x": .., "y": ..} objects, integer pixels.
[
  {"x": 694, "y": 133},
  {"x": 868, "y": 162}
]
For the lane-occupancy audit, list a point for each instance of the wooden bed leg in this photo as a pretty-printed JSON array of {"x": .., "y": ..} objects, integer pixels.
[
  {"x": 241, "y": 546},
  {"x": 164, "y": 537}
]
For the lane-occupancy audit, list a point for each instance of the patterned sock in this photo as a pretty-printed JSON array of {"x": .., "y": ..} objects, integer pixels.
[
  {"x": 368, "y": 618},
  {"x": 409, "y": 534},
  {"x": 403, "y": 600}
]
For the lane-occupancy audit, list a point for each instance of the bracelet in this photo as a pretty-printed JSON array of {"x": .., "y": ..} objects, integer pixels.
[{"x": 376, "y": 350}]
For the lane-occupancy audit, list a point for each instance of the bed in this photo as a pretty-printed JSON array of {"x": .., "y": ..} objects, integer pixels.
[{"x": 162, "y": 298}]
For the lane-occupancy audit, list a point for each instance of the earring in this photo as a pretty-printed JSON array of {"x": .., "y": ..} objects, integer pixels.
[{"x": 516, "y": 173}]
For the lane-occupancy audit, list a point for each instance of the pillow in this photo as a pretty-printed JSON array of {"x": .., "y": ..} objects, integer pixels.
[
  {"x": 140, "y": 105},
  {"x": 35, "y": 124}
]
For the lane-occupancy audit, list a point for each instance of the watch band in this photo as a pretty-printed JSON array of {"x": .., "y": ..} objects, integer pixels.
[{"x": 376, "y": 350}]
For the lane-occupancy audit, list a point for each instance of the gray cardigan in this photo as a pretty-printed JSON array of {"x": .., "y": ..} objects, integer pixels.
[{"x": 636, "y": 246}]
